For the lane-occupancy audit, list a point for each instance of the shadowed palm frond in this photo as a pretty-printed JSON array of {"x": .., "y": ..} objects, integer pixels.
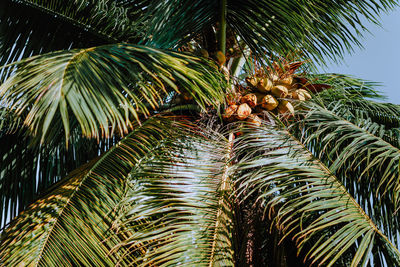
[
  {"x": 316, "y": 29},
  {"x": 28, "y": 169},
  {"x": 104, "y": 88},
  {"x": 307, "y": 202},
  {"x": 104, "y": 18},
  {"x": 178, "y": 208},
  {"x": 25, "y": 32},
  {"x": 72, "y": 223}
]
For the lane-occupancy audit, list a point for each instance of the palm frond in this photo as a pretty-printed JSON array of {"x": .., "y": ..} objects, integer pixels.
[
  {"x": 103, "y": 18},
  {"x": 28, "y": 169},
  {"x": 25, "y": 32},
  {"x": 104, "y": 88},
  {"x": 178, "y": 209},
  {"x": 316, "y": 29},
  {"x": 362, "y": 157},
  {"x": 346, "y": 87},
  {"x": 173, "y": 23},
  {"x": 307, "y": 202},
  {"x": 71, "y": 224},
  {"x": 352, "y": 146}
]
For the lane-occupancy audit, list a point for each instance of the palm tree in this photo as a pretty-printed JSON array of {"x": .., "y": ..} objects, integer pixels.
[{"x": 116, "y": 150}]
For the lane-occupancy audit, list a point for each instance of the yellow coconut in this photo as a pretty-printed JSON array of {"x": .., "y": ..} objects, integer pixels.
[
  {"x": 274, "y": 77},
  {"x": 252, "y": 81},
  {"x": 287, "y": 81},
  {"x": 269, "y": 102},
  {"x": 243, "y": 111},
  {"x": 298, "y": 95},
  {"x": 279, "y": 91},
  {"x": 306, "y": 94},
  {"x": 285, "y": 107},
  {"x": 264, "y": 85}
]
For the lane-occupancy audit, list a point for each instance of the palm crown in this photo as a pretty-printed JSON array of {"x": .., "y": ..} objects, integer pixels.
[{"x": 125, "y": 141}]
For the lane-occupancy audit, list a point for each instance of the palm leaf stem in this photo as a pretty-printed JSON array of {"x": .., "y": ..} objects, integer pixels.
[
  {"x": 225, "y": 190},
  {"x": 222, "y": 26}
]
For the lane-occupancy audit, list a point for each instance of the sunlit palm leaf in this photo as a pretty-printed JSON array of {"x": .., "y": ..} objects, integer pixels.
[
  {"x": 104, "y": 88},
  {"x": 27, "y": 168},
  {"x": 316, "y": 28},
  {"x": 352, "y": 146},
  {"x": 178, "y": 210},
  {"x": 307, "y": 201},
  {"x": 71, "y": 224},
  {"x": 363, "y": 156}
]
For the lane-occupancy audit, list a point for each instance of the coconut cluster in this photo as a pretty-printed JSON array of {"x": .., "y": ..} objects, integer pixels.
[{"x": 270, "y": 92}]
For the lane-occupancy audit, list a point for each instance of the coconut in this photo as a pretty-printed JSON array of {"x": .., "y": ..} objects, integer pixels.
[
  {"x": 220, "y": 58},
  {"x": 254, "y": 120},
  {"x": 250, "y": 99},
  {"x": 306, "y": 94},
  {"x": 243, "y": 111},
  {"x": 230, "y": 112},
  {"x": 279, "y": 91},
  {"x": 298, "y": 95},
  {"x": 285, "y": 107},
  {"x": 274, "y": 77},
  {"x": 264, "y": 85},
  {"x": 287, "y": 81},
  {"x": 269, "y": 102},
  {"x": 252, "y": 81},
  {"x": 233, "y": 98}
]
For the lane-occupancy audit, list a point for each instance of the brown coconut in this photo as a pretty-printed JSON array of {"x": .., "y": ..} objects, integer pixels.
[
  {"x": 269, "y": 102},
  {"x": 250, "y": 99},
  {"x": 243, "y": 111},
  {"x": 220, "y": 58},
  {"x": 279, "y": 91},
  {"x": 254, "y": 120},
  {"x": 230, "y": 112},
  {"x": 285, "y": 107}
]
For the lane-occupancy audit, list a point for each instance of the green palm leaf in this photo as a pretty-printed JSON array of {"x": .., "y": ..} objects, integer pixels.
[
  {"x": 104, "y": 18},
  {"x": 28, "y": 169},
  {"x": 178, "y": 209},
  {"x": 354, "y": 145},
  {"x": 307, "y": 201},
  {"x": 316, "y": 28},
  {"x": 104, "y": 88},
  {"x": 72, "y": 223}
]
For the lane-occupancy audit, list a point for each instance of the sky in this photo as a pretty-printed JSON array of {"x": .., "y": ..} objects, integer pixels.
[{"x": 379, "y": 61}]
